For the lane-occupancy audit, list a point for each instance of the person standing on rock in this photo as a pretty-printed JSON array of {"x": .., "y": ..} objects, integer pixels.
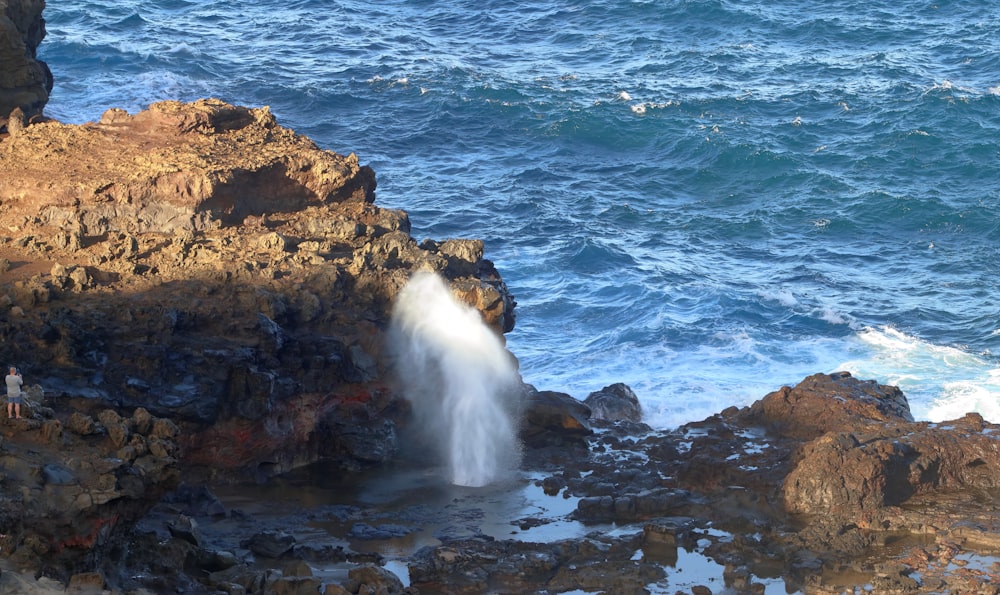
[{"x": 14, "y": 383}]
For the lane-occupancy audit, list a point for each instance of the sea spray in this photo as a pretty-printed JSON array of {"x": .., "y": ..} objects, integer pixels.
[{"x": 460, "y": 379}]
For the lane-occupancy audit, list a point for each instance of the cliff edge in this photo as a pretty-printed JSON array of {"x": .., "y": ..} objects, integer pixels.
[{"x": 203, "y": 262}]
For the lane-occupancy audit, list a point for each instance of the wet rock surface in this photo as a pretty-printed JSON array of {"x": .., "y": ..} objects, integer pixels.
[{"x": 706, "y": 508}]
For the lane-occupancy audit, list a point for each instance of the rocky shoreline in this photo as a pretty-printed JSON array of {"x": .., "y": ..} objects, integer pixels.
[
  {"x": 199, "y": 299},
  {"x": 765, "y": 495}
]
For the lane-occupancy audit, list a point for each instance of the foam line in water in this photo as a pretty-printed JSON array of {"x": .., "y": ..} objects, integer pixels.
[
  {"x": 941, "y": 382},
  {"x": 459, "y": 378}
]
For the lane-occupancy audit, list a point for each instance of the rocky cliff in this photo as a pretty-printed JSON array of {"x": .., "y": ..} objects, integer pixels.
[
  {"x": 205, "y": 263},
  {"x": 25, "y": 81},
  {"x": 74, "y": 485},
  {"x": 196, "y": 292}
]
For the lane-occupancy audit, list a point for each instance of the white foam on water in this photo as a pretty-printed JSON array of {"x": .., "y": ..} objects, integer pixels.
[
  {"x": 940, "y": 382},
  {"x": 459, "y": 378},
  {"x": 680, "y": 386},
  {"x": 676, "y": 387}
]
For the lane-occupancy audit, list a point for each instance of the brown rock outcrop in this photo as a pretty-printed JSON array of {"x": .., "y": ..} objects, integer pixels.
[
  {"x": 172, "y": 168},
  {"x": 810, "y": 483},
  {"x": 888, "y": 464},
  {"x": 25, "y": 81},
  {"x": 211, "y": 266},
  {"x": 826, "y": 402},
  {"x": 69, "y": 498}
]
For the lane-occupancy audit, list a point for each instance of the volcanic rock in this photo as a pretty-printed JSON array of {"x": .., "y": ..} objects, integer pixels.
[
  {"x": 69, "y": 499},
  {"x": 553, "y": 418},
  {"x": 617, "y": 402},
  {"x": 852, "y": 473},
  {"x": 811, "y": 483},
  {"x": 25, "y": 81},
  {"x": 203, "y": 263},
  {"x": 826, "y": 402}
]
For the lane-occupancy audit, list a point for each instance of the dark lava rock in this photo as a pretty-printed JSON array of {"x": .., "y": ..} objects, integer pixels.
[
  {"x": 554, "y": 418},
  {"x": 270, "y": 544},
  {"x": 616, "y": 402}
]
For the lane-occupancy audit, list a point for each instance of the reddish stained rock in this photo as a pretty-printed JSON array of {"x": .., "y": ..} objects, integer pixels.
[{"x": 74, "y": 497}]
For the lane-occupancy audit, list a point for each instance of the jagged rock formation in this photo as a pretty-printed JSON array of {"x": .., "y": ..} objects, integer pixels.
[
  {"x": 203, "y": 262},
  {"x": 25, "y": 81},
  {"x": 73, "y": 484},
  {"x": 828, "y": 484}
]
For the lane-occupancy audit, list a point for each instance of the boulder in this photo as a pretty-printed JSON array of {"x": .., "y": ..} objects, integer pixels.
[
  {"x": 616, "y": 402},
  {"x": 373, "y": 579},
  {"x": 826, "y": 402},
  {"x": 270, "y": 544},
  {"x": 553, "y": 418}
]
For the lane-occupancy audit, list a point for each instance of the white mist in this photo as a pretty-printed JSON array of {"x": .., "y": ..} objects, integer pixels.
[{"x": 460, "y": 379}]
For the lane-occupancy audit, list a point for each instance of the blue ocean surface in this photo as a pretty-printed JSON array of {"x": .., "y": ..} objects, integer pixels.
[{"x": 703, "y": 199}]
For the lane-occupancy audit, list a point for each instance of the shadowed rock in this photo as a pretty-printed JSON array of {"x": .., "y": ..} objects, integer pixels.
[
  {"x": 25, "y": 81},
  {"x": 552, "y": 418},
  {"x": 615, "y": 403}
]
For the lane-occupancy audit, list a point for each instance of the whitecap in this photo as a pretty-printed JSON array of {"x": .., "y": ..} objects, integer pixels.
[
  {"x": 960, "y": 397},
  {"x": 642, "y": 108},
  {"x": 832, "y": 316},
  {"x": 941, "y": 382},
  {"x": 783, "y": 296}
]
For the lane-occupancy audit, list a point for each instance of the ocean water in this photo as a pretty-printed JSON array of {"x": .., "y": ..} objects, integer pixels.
[{"x": 703, "y": 199}]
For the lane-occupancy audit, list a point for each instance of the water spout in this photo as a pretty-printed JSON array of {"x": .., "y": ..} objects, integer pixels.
[{"x": 460, "y": 379}]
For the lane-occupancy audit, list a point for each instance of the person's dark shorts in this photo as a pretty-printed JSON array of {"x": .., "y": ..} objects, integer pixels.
[{"x": 14, "y": 399}]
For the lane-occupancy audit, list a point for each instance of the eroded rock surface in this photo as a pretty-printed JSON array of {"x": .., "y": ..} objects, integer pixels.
[
  {"x": 73, "y": 486},
  {"x": 725, "y": 488},
  {"x": 205, "y": 263},
  {"x": 25, "y": 81}
]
